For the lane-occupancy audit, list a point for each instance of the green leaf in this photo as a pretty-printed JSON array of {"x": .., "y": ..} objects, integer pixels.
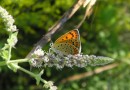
[
  {"x": 12, "y": 40},
  {"x": 12, "y": 66},
  {"x": 38, "y": 77},
  {"x": 6, "y": 46},
  {"x": 4, "y": 54}
]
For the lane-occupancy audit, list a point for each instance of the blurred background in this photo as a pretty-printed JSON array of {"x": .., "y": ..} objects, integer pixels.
[{"x": 105, "y": 33}]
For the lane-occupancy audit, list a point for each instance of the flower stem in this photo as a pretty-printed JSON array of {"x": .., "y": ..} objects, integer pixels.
[
  {"x": 9, "y": 56},
  {"x": 18, "y": 61},
  {"x": 30, "y": 73},
  {"x": 2, "y": 63}
]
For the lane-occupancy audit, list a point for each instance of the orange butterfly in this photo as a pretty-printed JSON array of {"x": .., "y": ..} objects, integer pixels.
[{"x": 68, "y": 43}]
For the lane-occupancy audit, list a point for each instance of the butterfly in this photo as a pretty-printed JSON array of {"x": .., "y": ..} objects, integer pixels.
[{"x": 67, "y": 44}]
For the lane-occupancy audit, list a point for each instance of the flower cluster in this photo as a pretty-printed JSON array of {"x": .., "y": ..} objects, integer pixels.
[
  {"x": 36, "y": 59},
  {"x": 8, "y": 20},
  {"x": 50, "y": 85},
  {"x": 10, "y": 27},
  {"x": 41, "y": 58}
]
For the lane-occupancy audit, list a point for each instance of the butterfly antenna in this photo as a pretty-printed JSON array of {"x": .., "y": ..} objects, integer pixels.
[{"x": 51, "y": 41}]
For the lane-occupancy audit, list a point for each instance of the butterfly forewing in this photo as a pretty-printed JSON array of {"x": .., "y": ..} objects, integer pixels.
[{"x": 73, "y": 34}]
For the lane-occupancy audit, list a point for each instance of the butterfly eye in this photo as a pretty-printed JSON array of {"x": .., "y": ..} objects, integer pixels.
[{"x": 51, "y": 44}]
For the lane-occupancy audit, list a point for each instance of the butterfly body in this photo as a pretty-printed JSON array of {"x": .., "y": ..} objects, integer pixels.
[{"x": 68, "y": 43}]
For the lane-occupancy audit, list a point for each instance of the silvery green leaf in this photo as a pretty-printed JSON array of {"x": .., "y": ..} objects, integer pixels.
[
  {"x": 12, "y": 40},
  {"x": 4, "y": 54}
]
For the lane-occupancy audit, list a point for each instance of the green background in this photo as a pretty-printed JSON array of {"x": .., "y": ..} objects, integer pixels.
[{"x": 105, "y": 33}]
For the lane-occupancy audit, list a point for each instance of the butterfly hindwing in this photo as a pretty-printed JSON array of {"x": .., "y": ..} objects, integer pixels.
[{"x": 65, "y": 49}]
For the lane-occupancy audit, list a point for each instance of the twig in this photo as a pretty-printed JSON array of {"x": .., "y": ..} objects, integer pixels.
[
  {"x": 87, "y": 74},
  {"x": 88, "y": 11},
  {"x": 87, "y": 14},
  {"x": 47, "y": 37}
]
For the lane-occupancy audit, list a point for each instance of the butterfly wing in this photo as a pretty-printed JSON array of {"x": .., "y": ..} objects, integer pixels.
[
  {"x": 72, "y": 37},
  {"x": 73, "y": 34},
  {"x": 65, "y": 49}
]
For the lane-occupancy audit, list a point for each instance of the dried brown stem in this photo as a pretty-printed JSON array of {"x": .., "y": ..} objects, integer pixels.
[
  {"x": 87, "y": 74},
  {"x": 87, "y": 14},
  {"x": 88, "y": 11}
]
